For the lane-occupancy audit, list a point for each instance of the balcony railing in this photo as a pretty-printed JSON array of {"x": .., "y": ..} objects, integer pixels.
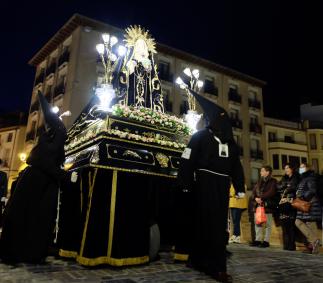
[
  {"x": 256, "y": 154},
  {"x": 236, "y": 123},
  {"x": 254, "y": 103},
  {"x": 34, "y": 107},
  {"x": 233, "y": 95},
  {"x": 64, "y": 58},
  {"x": 286, "y": 141},
  {"x": 51, "y": 69},
  {"x": 60, "y": 89},
  {"x": 40, "y": 77},
  {"x": 30, "y": 135},
  {"x": 166, "y": 76},
  {"x": 255, "y": 128}
]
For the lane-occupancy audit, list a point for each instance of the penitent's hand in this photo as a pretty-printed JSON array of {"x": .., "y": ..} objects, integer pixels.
[{"x": 74, "y": 177}]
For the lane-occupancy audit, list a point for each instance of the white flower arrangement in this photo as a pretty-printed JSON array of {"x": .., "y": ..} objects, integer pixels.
[
  {"x": 151, "y": 117},
  {"x": 125, "y": 135}
]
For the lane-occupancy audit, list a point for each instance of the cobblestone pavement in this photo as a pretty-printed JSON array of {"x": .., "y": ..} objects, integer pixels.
[{"x": 247, "y": 264}]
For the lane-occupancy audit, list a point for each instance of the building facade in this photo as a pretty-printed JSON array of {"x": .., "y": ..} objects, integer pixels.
[
  {"x": 285, "y": 142},
  {"x": 68, "y": 69},
  {"x": 12, "y": 141}
]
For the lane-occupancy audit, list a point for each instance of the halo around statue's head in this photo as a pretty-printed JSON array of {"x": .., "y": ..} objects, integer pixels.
[{"x": 134, "y": 33}]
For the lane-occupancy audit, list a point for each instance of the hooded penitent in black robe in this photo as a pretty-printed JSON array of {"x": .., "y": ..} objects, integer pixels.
[
  {"x": 30, "y": 214},
  {"x": 206, "y": 176}
]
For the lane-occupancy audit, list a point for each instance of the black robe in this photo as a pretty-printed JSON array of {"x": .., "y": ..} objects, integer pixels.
[
  {"x": 30, "y": 214},
  {"x": 208, "y": 205}
]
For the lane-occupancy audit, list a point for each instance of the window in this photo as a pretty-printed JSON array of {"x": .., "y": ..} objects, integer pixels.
[
  {"x": 254, "y": 144},
  {"x": 315, "y": 164},
  {"x": 237, "y": 138},
  {"x": 321, "y": 138},
  {"x": 252, "y": 95},
  {"x": 164, "y": 70},
  {"x": 312, "y": 141},
  {"x": 209, "y": 86},
  {"x": 167, "y": 103},
  {"x": 253, "y": 119},
  {"x": 9, "y": 138},
  {"x": 289, "y": 139},
  {"x": 6, "y": 157},
  {"x": 234, "y": 114},
  {"x": 284, "y": 160},
  {"x": 294, "y": 160},
  {"x": 275, "y": 161},
  {"x": 272, "y": 137}
]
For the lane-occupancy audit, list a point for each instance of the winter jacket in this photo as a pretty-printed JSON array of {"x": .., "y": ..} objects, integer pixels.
[
  {"x": 307, "y": 190},
  {"x": 286, "y": 188},
  {"x": 266, "y": 190}
]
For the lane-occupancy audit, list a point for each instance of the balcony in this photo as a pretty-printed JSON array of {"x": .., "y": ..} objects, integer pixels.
[
  {"x": 51, "y": 69},
  {"x": 255, "y": 128},
  {"x": 60, "y": 89},
  {"x": 165, "y": 76},
  {"x": 40, "y": 77},
  {"x": 234, "y": 96},
  {"x": 236, "y": 123},
  {"x": 30, "y": 136},
  {"x": 34, "y": 107},
  {"x": 256, "y": 154},
  {"x": 64, "y": 58},
  {"x": 253, "y": 103}
]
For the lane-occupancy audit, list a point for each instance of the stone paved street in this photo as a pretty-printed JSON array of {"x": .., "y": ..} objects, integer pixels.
[{"x": 246, "y": 265}]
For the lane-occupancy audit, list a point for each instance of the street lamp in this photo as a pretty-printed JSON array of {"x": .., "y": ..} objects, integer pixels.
[
  {"x": 192, "y": 82},
  {"x": 109, "y": 61}
]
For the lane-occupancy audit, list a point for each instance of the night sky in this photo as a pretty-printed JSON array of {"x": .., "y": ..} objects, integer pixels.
[{"x": 270, "y": 40}]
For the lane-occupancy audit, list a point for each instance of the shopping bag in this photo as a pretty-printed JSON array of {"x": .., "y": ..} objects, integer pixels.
[{"x": 260, "y": 215}]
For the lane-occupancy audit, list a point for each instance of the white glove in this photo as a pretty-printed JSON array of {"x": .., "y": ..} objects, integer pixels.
[
  {"x": 74, "y": 177},
  {"x": 240, "y": 195}
]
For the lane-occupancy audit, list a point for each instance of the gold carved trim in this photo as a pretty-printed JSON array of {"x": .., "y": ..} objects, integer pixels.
[
  {"x": 103, "y": 259},
  {"x": 145, "y": 163},
  {"x": 112, "y": 210},
  {"x": 181, "y": 257},
  {"x": 91, "y": 186},
  {"x": 132, "y": 171}
]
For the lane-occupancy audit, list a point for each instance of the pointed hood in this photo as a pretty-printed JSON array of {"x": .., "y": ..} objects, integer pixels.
[
  {"x": 52, "y": 121},
  {"x": 217, "y": 118}
]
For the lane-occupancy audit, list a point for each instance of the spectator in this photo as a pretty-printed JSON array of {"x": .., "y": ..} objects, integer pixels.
[
  {"x": 3, "y": 191},
  {"x": 264, "y": 194},
  {"x": 306, "y": 222},
  {"x": 287, "y": 189},
  {"x": 237, "y": 205}
]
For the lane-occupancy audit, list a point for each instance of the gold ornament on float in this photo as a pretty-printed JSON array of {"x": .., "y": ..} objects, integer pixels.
[{"x": 135, "y": 33}]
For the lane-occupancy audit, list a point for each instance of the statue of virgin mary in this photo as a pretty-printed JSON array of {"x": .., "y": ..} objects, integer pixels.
[{"x": 136, "y": 81}]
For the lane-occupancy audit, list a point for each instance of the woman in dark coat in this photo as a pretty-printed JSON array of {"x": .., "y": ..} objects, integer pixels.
[
  {"x": 306, "y": 222},
  {"x": 208, "y": 165},
  {"x": 287, "y": 189},
  {"x": 30, "y": 213}
]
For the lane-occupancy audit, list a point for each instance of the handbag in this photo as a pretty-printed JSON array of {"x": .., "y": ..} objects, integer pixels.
[
  {"x": 301, "y": 205},
  {"x": 260, "y": 217}
]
